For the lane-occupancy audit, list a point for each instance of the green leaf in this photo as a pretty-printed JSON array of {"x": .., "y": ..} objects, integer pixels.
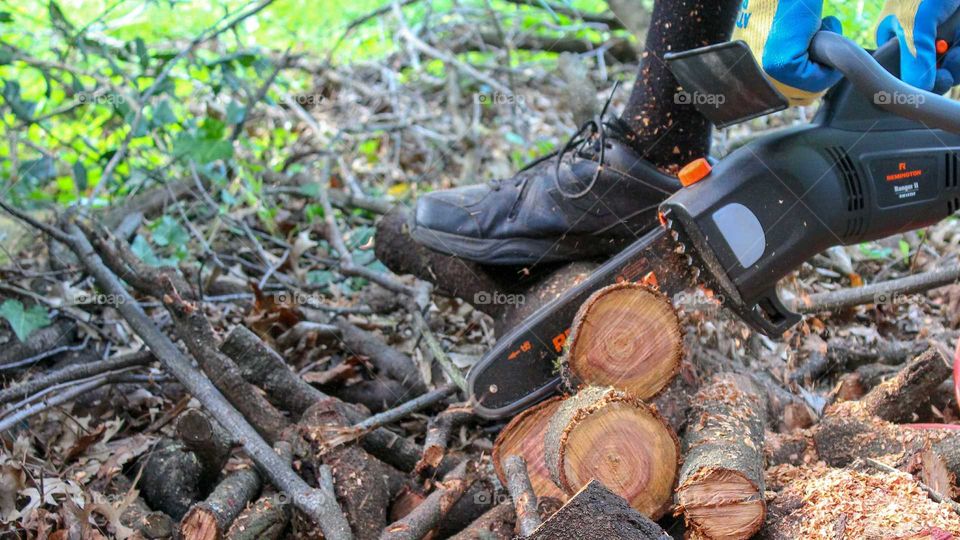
[
  {"x": 142, "y": 55},
  {"x": 202, "y": 151},
  {"x": 905, "y": 249},
  {"x": 40, "y": 170},
  {"x": 22, "y": 108},
  {"x": 168, "y": 232},
  {"x": 319, "y": 277},
  {"x": 163, "y": 114},
  {"x": 5, "y": 17},
  {"x": 24, "y": 321},
  {"x": 79, "y": 176},
  {"x": 141, "y": 248},
  {"x": 236, "y": 113}
]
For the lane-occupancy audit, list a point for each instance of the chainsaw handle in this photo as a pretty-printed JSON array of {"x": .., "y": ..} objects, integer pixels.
[{"x": 870, "y": 79}]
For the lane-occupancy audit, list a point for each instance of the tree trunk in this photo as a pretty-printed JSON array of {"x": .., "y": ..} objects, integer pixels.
[
  {"x": 613, "y": 437},
  {"x": 627, "y": 336},
  {"x": 721, "y": 491}
]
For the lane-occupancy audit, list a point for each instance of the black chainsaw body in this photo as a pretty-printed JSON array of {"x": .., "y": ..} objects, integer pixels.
[
  {"x": 861, "y": 170},
  {"x": 856, "y": 173}
]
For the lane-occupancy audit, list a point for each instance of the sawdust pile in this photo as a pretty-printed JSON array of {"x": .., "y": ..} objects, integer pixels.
[{"x": 822, "y": 502}]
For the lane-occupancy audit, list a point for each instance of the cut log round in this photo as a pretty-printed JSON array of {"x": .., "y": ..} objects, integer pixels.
[
  {"x": 627, "y": 336},
  {"x": 608, "y": 435},
  {"x": 523, "y": 436},
  {"x": 721, "y": 491}
]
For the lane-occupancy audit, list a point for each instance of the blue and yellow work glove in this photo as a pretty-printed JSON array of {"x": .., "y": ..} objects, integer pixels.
[
  {"x": 914, "y": 23},
  {"x": 779, "y": 34}
]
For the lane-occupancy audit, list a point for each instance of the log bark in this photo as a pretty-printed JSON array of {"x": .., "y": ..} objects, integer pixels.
[
  {"x": 596, "y": 513},
  {"x": 61, "y": 333},
  {"x": 476, "y": 501},
  {"x": 613, "y": 437},
  {"x": 524, "y": 499},
  {"x": 207, "y": 440},
  {"x": 428, "y": 514},
  {"x": 939, "y": 464},
  {"x": 627, "y": 336},
  {"x": 137, "y": 515},
  {"x": 361, "y": 481},
  {"x": 721, "y": 489},
  {"x": 523, "y": 436},
  {"x": 453, "y": 276},
  {"x": 195, "y": 331},
  {"x": 496, "y": 524},
  {"x": 438, "y": 435},
  {"x": 170, "y": 481},
  {"x": 210, "y": 519},
  {"x": 265, "y": 519},
  {"x": 261, "y": 365},
  {"x": 899, "y": 398},
  {"x": 388, "y": 361},
  {"x": 376, "y": 395}
]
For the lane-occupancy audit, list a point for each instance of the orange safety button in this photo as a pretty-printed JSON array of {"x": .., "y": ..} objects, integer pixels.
[
  {"x": 694, "y": 172},
  {"x": 942, "y": 46}
]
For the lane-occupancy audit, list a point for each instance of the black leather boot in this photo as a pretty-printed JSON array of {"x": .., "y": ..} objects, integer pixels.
[{"x": 587, "y": 200}]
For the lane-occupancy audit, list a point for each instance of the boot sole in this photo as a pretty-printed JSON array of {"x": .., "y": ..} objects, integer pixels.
[{"x": 516, "y": 251}]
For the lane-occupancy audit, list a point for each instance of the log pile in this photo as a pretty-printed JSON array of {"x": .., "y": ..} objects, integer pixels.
[{"x": 652, "y": 434}]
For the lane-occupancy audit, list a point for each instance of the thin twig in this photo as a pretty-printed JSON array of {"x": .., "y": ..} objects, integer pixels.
[
  {"x": 524, "y": 499},
  {"x": 877, "y": 293},
  {"x": 72, "y": 373}
]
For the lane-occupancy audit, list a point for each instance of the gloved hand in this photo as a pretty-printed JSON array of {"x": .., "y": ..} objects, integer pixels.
[
  {"x": 779, "y": 34},
  {"x": 914, "y": 23}
]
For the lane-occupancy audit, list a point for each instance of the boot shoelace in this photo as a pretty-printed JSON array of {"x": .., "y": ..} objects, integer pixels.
[{"x": 597, "y": 127}]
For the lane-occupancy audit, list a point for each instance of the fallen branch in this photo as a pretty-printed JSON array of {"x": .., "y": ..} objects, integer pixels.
[
  {"x": 387, "y": 360},
  {"x": 524, "y": 499},
  {"x": 392, "y": 415},
  {"x": 62, "y": 333},
  {"x": 261, "y": 365},
  {"x": 73, "y": 373},
  {"x": 310, "y": 501},
  {"x": 427, "y": 515},
  {"x": 876, "y": 293},
  {"x": 210, "y": 519},
  {"x": 438, "y": 435}
]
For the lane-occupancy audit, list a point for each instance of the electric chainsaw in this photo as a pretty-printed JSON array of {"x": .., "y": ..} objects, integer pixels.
[{"x": 879, "y": 158}]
